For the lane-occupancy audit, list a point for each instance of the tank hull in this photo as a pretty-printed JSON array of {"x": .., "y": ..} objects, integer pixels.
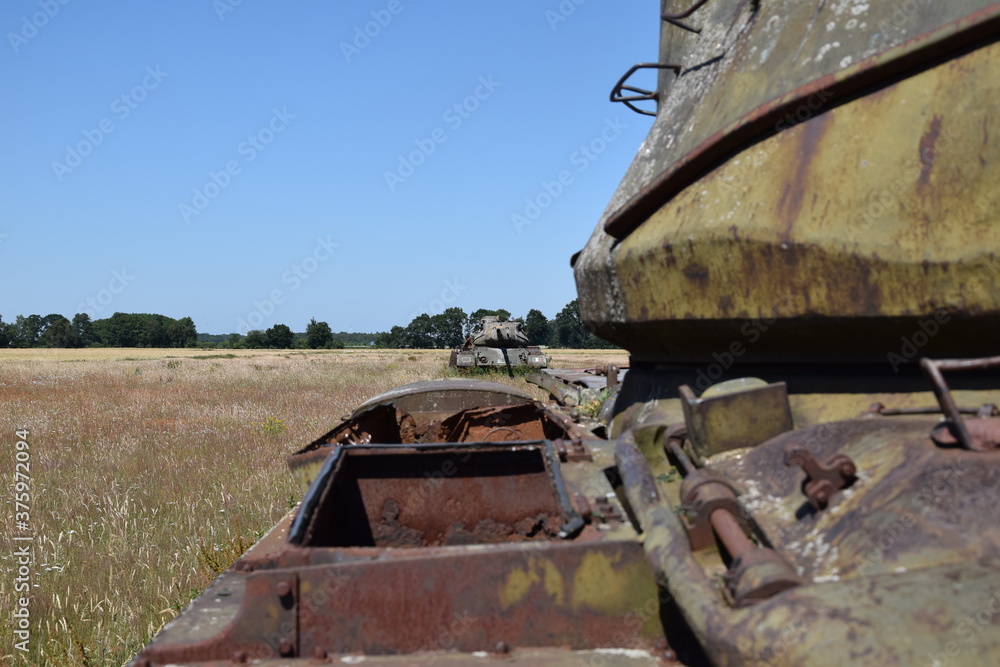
[{"x": 481, "y": 356}]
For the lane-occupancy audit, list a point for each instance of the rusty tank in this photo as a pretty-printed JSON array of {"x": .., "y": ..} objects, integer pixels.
[
  {"x": 801, "y": 464},
  {"x": 495, "y": 343}
]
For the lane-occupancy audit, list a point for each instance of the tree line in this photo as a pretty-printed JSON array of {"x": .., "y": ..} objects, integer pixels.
[
  {"x": 119, "y": 330},
  {"x": 449, "y": 329},
  {"x": 443, "y": 330}
]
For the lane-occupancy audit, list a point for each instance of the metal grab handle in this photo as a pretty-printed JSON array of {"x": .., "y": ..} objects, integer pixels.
[
  {"x": 641, "y": 93},
  {"x": 933, "y": 371},
  {"x": 675, "y": 19}
]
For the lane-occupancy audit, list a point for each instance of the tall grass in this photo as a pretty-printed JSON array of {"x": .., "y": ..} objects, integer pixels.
[{"x": 152, "y": 469}]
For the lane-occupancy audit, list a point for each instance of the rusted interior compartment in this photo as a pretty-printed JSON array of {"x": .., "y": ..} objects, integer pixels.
[
  {"x": 408, "y": 499},
  {"x": 386, "y": 424}
]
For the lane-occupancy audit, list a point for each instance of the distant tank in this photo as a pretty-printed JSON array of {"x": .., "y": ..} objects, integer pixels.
[{"x": 496, "y": 343}]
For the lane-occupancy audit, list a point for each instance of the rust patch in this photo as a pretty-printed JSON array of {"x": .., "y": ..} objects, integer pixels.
[
  {"x": 797, "y": 181},
  {"x": 668, "y": 255},
  {"x": 928, "y": 152},
  {"x": 863, "y": 291},
  {"x": 388, "y": 531},
  {"x": 726, "y": 304},
  {"x": 697, "y": 274}
]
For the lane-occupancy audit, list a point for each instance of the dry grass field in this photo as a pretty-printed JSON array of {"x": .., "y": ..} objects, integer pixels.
[{"x": 151, "y": 469}]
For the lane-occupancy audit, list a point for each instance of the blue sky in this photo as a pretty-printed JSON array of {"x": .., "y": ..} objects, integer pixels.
[{"x": 249, "y": 163}]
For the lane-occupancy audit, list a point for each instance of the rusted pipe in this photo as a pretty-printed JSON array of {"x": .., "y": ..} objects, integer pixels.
[
  {"x": 967, "y": 364},
  {"x": 682, "y": 460},
  {"x": 728, "y": 529}
]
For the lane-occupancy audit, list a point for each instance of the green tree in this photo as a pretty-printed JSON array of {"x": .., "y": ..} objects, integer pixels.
[
  {"x": 393, "y": 339},
  {"x": 234, "y": 340},
  {"x": 537, "y": 327},
  {"x": 318, "y": 334},
  {"x": 4, "y": 340},
  {"x": 25, "y": 331},
  {"x": 154, "y": 332},
  {"x": 447, "y": 328},
  {"x": 568, "y": 330},
  {"x": 280, "y": 337},
  {"x": 83, "y": 330},
  {"x": 255, "y": 340},
  {"x": 58, "y": 332},
  {"x": 183, "y": 333},
  {"x": 420, "y": 332},
  {"x": 132, "y": 330}
]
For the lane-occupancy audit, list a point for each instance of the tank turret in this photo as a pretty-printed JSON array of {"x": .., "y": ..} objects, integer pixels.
[
  {"x": 491, "y": 331},
  {"x": 817, "y": 191}
]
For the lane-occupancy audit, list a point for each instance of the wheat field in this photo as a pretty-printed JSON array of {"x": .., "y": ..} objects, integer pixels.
[{"x": 151, "y": 470}]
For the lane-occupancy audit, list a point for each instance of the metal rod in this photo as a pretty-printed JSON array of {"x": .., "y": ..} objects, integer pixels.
[
  {"x": 682, "y": 460},
  {"x": 967, "y": 364},
  {"x": 730, "y": 533},
  {"x": 948, "y": 406},
  {"x": 929, "y": 410}
]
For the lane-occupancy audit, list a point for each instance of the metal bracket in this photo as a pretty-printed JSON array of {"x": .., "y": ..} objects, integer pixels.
[
  {"x": 755, "y": 575},
  {"x": 822, "y": 479},
  {"x": 606, "y": 511}
]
